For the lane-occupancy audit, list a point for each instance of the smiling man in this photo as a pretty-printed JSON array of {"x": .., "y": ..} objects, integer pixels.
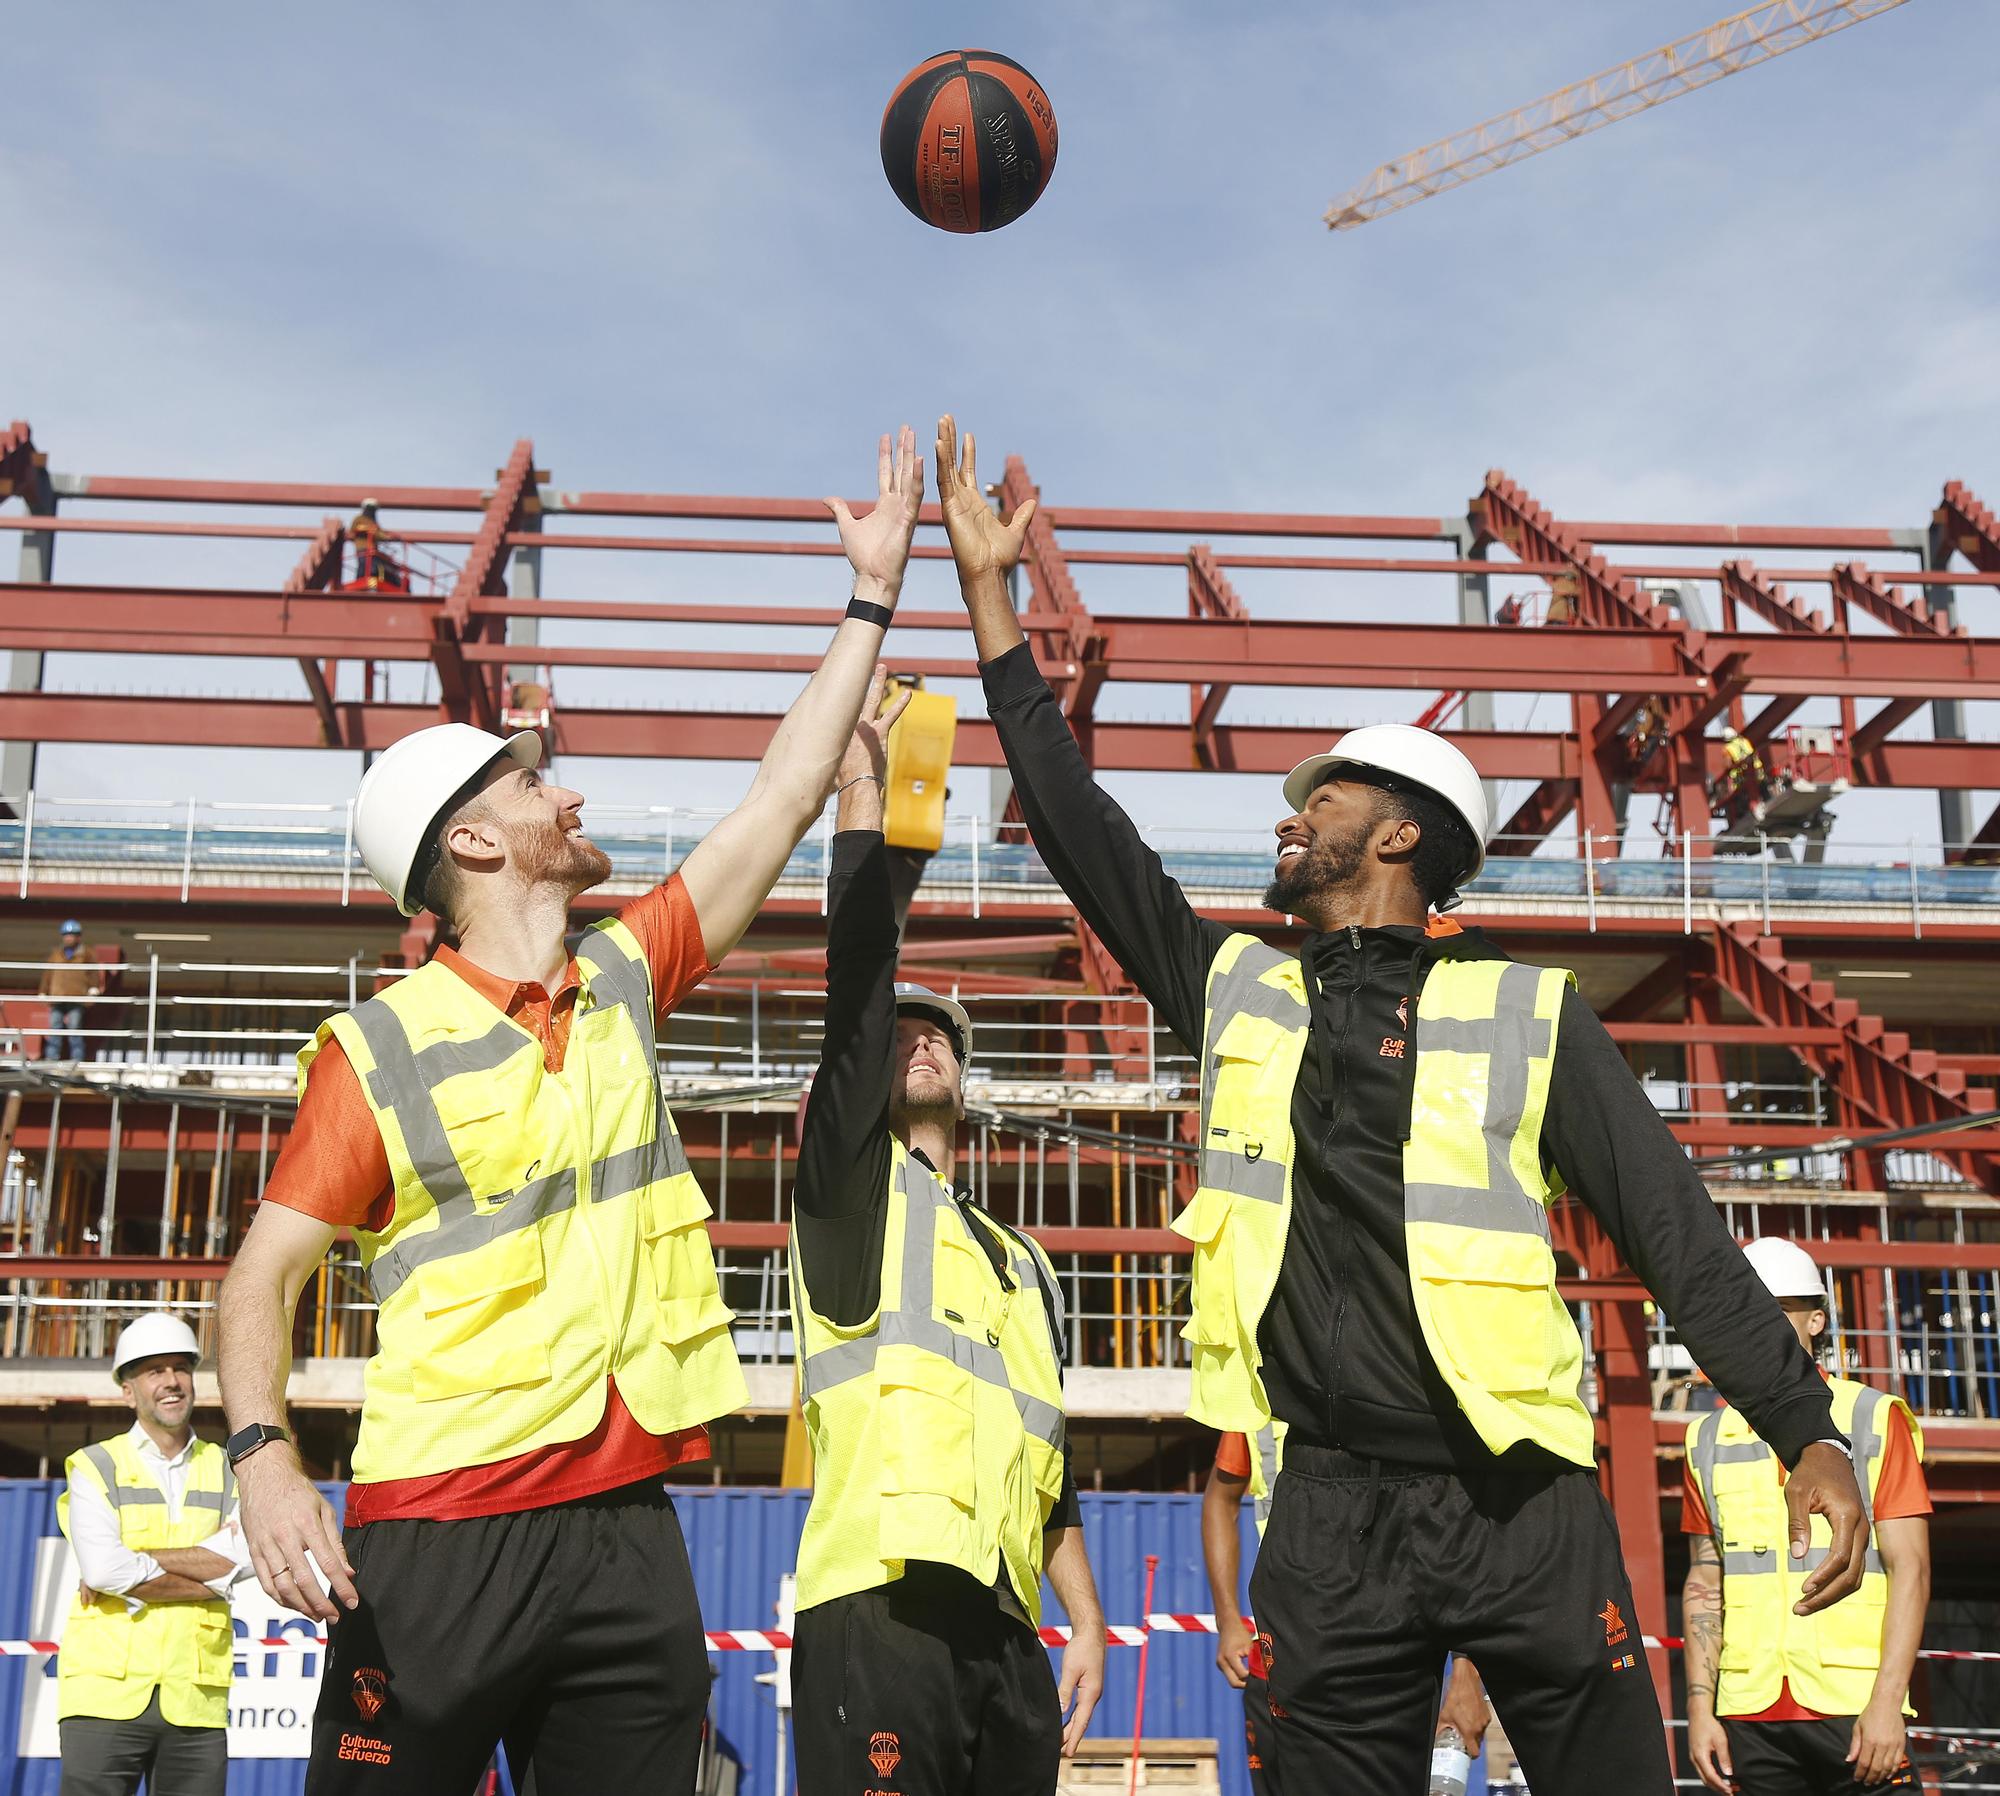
[
  {"x": 143, "y": 1676},
  {"x": 930, "y": 1362},
  {"x": 1388, "y": 1110},
  {"x": 551, "y": 1337}
]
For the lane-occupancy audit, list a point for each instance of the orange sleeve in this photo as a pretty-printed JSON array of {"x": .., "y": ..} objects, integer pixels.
[
  {"x": 1232, "y": 1456},
  {"x": 1694, "y": 1506},
  {"x": 670, "y": 933},
  {"x": 1901, "y": 1490},
  {"x": 333, "y": 1164}
]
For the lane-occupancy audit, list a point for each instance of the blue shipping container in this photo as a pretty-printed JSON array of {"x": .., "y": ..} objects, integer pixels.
[{"x": 740, "y": 1542}]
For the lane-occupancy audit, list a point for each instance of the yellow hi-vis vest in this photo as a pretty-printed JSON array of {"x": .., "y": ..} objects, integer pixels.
[
  {"x": 547, "y": 1231},
  {"x": 1267, "y": 1455},
  {"x": 1829, "y": 1659},
  {"x": 936, "y": 1424},
  {"x": 1475, "y": 1193},
  {"x": 113, "y": 1657}
]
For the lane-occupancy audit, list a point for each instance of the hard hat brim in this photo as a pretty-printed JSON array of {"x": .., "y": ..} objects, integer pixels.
[
  {"x": 1310, "y": 774},
  {"x": 949, "y": 1009}
]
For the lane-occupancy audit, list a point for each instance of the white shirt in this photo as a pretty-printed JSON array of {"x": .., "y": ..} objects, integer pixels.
[{"x": 107, "y": 1564}]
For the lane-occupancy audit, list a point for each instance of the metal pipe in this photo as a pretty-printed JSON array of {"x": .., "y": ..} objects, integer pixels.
[
  {"x": 1590, "y": 876},
  {"x": 152, "y": 1002},
  {"x": 27, "y": 837},
  {"x": 187, "y": 854}
]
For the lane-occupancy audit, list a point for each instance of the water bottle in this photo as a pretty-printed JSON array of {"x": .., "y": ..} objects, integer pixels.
[{"x": 1451, "y": 1764}]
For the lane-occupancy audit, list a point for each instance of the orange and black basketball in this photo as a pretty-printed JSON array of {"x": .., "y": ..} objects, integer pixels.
[{"x": 968, "y": 140}]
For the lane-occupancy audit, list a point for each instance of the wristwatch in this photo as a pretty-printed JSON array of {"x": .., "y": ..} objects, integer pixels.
[
  {"x": 1838, "y": 1444},
  {"x": 245, "y": 1441}
]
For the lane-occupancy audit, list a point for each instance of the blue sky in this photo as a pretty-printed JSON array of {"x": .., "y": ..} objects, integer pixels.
[{"x": 381, "y": 242}]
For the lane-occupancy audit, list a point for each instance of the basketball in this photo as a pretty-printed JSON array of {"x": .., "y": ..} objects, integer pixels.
[{"x": 968, "y": 140}]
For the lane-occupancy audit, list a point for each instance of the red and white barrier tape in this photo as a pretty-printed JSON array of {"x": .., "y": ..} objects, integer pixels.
[{"x": 769, "y": 1640}]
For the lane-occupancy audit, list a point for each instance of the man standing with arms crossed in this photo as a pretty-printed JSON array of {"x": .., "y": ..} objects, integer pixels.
[
  {"x": 930, "y": 1364},
  {"x": 1788, "y": 1705},
  {"x": 1386, "y": 1117},
  {"x": 552, "y": 1338},
  {"x": 143, "y": 1675}
]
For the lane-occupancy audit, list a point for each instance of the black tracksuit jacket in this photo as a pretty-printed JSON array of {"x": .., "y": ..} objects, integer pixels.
[{"x": 1345, "y": 1363}]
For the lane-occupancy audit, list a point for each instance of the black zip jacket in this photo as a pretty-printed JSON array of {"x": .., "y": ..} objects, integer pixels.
[
  {"x": 840, "y": 1197},
  {"x": 1345, "y": 1363}
]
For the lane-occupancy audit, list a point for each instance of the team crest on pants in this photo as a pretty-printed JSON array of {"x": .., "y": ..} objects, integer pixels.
[
  {"x": 885, "y": 1753},
  {"x": 371, "y": 1691}
]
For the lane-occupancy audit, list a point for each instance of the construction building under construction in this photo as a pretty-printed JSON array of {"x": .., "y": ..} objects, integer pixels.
[{"x": 1689, "y": 707}]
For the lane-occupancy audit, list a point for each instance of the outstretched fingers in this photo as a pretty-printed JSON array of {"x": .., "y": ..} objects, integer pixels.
[
  {"x": 885, "y": 476},
  {"x": 947, "y": 453}
]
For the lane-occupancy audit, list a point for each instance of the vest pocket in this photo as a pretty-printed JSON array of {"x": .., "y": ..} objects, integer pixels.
[
  {"x": 1491, "y": 1303},
  {"x": 480, "y": 1329},
  {"x": 97, "y": 1642},
  {"x": 1849, "y": 1635},
  {"x": 215, "y": 1648},
  {"x": 684, "y": 1277},
  {"x": 1212, "y": 1318},
  {"x": 925, "y": 1404}
]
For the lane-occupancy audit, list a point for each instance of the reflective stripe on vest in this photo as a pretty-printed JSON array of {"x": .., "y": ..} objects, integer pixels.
[
  {"x": 1828, "y": 1660},
  {"x": 113, "y": 1657},
  {"x": 937, "y": 1431},
  {"x": 547, "y": 1234},
  {"x": 1475, "y": 1192}
]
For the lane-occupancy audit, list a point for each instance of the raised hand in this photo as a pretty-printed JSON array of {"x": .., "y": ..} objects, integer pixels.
[
  {"x": 867, "y": 753},
  {"x": 981, "y": 544},
  {"x": 878, "y": 545}
]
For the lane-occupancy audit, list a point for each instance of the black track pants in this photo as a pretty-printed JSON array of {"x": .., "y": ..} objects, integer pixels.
[
  {"x": 1369, "y": 1574},
  {"x": 922, "y": 1688},
  {"x": 570, "y": 1632},
  {"x": 1800, "y": 1758},
  {"x": 1259, "y": 1745}
]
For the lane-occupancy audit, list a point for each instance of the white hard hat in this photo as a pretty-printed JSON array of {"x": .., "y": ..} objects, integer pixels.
[
  {"x": 922, "y": 999},
  {"x": 1786, "y": 1268},
  {"x": 404, "y": 795},
  {"x": 148, "y": 1335},
  {"x": 1419, "y": 757}
]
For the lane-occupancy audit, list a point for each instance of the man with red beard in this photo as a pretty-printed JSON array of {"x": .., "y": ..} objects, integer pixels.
[{"x": 552, "y": 1338}]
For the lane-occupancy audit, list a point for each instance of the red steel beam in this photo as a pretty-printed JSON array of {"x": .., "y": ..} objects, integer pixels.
[
  {"x": 1857, "y": 589},
  {"x": 1968, "y": 525}
]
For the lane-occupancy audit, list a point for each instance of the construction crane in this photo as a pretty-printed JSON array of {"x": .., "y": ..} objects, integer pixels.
[{"x": 1752, "y": 36}]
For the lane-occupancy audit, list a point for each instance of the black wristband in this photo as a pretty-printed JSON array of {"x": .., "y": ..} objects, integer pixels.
[{"x": 878, "y": 615}]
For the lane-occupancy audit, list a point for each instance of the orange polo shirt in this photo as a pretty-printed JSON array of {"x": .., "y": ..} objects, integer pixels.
[{"x": 333, "y": 1166}]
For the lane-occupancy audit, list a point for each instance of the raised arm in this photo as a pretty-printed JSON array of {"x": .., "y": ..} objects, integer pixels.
[
  {"x": 731, "y": 872},
  {"x": 843, "y": 1176},
  {"x": 290, "y": 1527},
  {"x": 1087, "y": 840}
]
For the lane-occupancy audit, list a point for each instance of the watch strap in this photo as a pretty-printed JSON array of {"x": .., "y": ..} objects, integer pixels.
[{"x": 246, "y": 1441}]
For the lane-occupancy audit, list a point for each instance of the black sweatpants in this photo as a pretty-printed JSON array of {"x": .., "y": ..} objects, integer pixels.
[
  {"x": 923, "y": 1687},
  {"x": 571, "y": 1633},
  {"x": 1800, "y": 1758},
  {"x": 1259, "y": 1745},
  {"x": 1370, "y": 1573}
]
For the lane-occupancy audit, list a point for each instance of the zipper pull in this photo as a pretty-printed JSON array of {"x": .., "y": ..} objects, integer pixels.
[{"x": 1354, "y": 938}]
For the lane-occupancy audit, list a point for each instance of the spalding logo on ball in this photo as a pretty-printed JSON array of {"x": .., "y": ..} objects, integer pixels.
[{"x": 968, "y": 140}]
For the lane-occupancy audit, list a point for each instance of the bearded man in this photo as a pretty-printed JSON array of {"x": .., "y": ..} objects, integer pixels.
[
  {"x": 552, "y": 1338},
  {"x": 1388, "y": 1110}
]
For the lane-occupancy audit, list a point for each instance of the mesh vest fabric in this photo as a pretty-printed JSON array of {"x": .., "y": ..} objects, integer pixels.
[
  {"x": 547, "y": 1232},
  {"x": 937, "y": 1423},
  {"x": 113, "y": 1657},
  {"x": 1828, "y": 1660},
  {"x": 1475, "y": 1193}
]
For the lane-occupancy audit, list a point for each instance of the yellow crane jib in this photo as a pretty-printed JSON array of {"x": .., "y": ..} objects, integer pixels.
[{"x": 919, "y": 765}]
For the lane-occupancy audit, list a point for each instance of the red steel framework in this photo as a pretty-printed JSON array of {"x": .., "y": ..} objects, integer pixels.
[{"x": 1652, "y": 691}]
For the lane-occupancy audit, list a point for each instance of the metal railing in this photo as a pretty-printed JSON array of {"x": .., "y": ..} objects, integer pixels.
[{"x": 190, "y": 844}]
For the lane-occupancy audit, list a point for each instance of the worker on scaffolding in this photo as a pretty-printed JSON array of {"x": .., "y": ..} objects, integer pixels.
[
  {"x": 143, "y": 1675},
  {"x": 552, "y": 1339},
  {"x": 1745, "y": 781},
  {"x": 1240, "y": 1472},
  {"x": 1778, "y": 1703},
  {"x": 1372, "y": 1260},
  {"x": 930, "y": 1348}
]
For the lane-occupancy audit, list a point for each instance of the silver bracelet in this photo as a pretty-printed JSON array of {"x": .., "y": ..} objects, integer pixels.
[{"x": 858, "y": 778}]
